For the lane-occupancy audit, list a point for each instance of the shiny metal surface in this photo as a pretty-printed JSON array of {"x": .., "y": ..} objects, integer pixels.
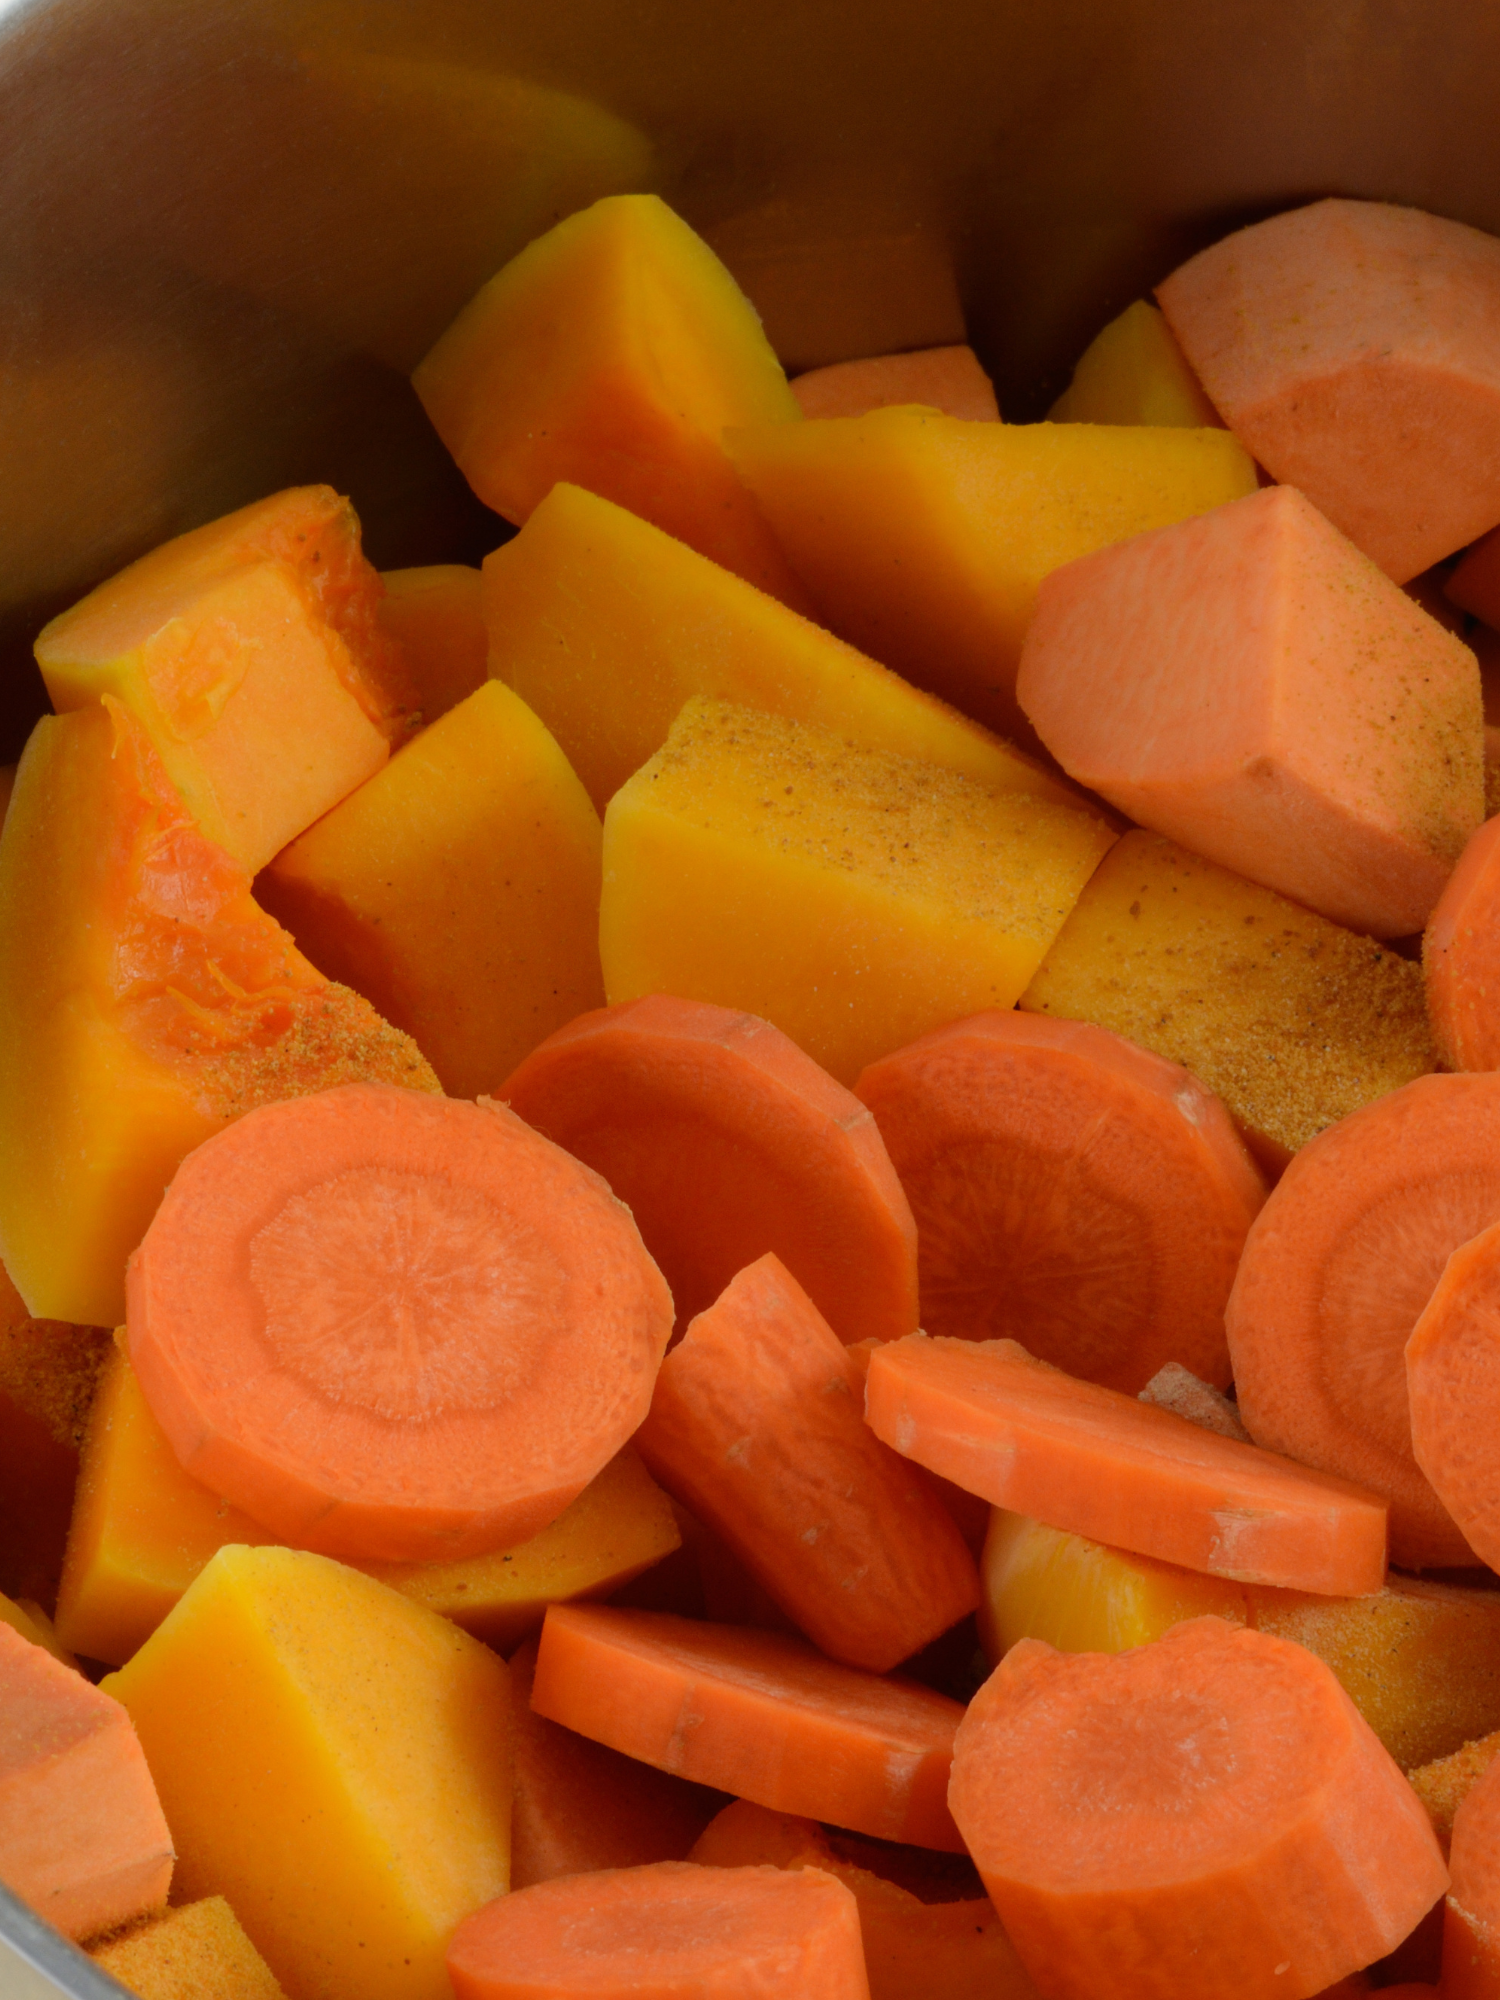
[
  {"x": 36, "y": 1964},
  {"x": 228, "y": 229}
]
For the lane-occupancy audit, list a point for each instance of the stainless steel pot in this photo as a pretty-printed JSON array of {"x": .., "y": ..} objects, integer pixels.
[{"x": 227, "y": 231}]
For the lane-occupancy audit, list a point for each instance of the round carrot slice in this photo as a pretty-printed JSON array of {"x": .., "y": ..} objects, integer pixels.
[
  {"x": 1461, "y": 957},
  {"x": 1071, "y": 1191},
  {"x": 1207, "y": 1815},
  {"x": 1337, "y": 1267},
  {"x": 1453, "y": 1381},
  {"x": 756, "y": 1714},
  {"x": 670, "y": 1931},
  {"x": 727, "y": 1141},
  {"x": 394, "y": 1327}
]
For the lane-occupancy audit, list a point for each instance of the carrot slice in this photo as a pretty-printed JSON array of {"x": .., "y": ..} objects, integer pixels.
[
  {"x": 391, "y": 1326},
  {"x": 671, "y": 1932},
  {"x": 949, "y": 379},
  {"x": 578, "y": 1806},
  {"x": 756, "y": 1714},
  {"x": 726, "y": 1141},
  {"x": 1071, "y": 1191},
  {"x": 1461, "y": 957},
  {"x": 1453, "y": 1384},
  {"x": 756, "y": 1425},
  {"x": 1337, "y": 1267},
  {"x": 1208, "y": 1815},
  {"x": 988, "y": 1416},
  {"x": 1471, "y": 1921}
]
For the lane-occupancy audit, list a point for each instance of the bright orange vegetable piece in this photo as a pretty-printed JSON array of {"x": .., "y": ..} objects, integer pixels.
[
  {"x": 1471, "y": 1920},
  {"x": 949, "y": 379},
  {"x": 1071, "y": 1191},
  {"x": 433, "y": 614},
  {"x": 725, "y": 1141},
  {"x": 1453, "y": 1387},
  {"x": 1206, "y": 1815},
  {"x": 1461, "y": 960},
  {"x": 988, "y": 1416},
  {"x": 756, "y": 1425},
  {"x": 674, "y": 1931},
  {"x": 754, "y": 1713},
  {"x": 416, "y": 1330},
  {"x": 197, "y": 1952},
  {"x": 1337, "y": 1268}
]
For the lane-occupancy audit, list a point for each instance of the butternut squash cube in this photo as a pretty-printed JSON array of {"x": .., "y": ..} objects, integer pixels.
[
  {"x": 1135, "y": 373},
  {"x": 1292, "y": 1020},
  {"x": 457, "y": 890},
  {"x": 334, "y": 1760},
  {"x": 198, "y": 1952},
  {"x": 250, "y": 653},
  {"x": 924, "y": 539},
  {"x": 852, "y": 898},
  {"x": 143, "y": 1529},
  {"x": 612, "y": 352},
  {"x": 606, "y": 626},
  {"x": 145, "y": 1001},
  {"x": 434, "y": 616}
]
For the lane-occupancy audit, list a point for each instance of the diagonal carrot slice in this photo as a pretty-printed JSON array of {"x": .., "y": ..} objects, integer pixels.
[{"x": 1022, "y": 1435}]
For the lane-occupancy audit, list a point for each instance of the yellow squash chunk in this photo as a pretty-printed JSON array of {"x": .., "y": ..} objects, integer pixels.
[
  {"x": 143, "y": 1529},
  {"x": 924, "y": 539},
  {"x": 1292, "y": 1020},
  {"x": 457, "y": 890},
  {"x": 7, "y": 786},
  {"x": 434, "y": 616},
  {"x": 251, "y": 654},
  {"x": 1419, "y": 1659},
  {"x": 612, "y": 352},
  {"x": 333, "y": 1759},
  {"x": 1445, "y": 1782},
  {"x": 25, "y": 1616},
  {"x": 852, "y": 898},
  {"x": 1135, "y": 373},
  {"x": 145, "y": 1001},
  {"x": 196, "y": 1953},
  {"x": 606, "y": 626}
]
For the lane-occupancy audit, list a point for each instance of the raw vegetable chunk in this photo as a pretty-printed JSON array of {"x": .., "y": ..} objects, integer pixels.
[
  {"x": 1475, "y": 585},
  {"x": 1354, "y": 347},
  {"x": 1135, "y": 373},
  {"x": 757, "y": 1426},
  {"x": 948, "y": 379},
  {"x": 145, "y": 1002},
  {"x": 1253, "y": 686},
  {"x": 198, "y": 1952},
  {"x": 332, "y": 1759},
  {"x": 1284, "y": 1851},
  {"x": 674, "y": 1929},
  {"x": 725, "y": 1141},
  {"x": 756, "y": 1714},
  {"x": 252, "y": 654},
  {"x": 457, "y": 890},
  {"x": 606, "y": 626},
  {"x": 7, "y": 786},
  {"x": 1461, "y": 957},
  {"x": 1025, "y": 1436},
  {"x": 434, "y": 616},
  {"x": 26, "y": 1616},
  {"x": 82, "y": 1837},
  {"x": 1471, "y": 1920},
  {"x": 915, "y": 1949},
  {"x": 1071, "y": 1191},
  {"x": 416, "y": 1332},
  {"x": 1292, "y": 1020},
  {"x": 854, "y": 899},
  {"x": 1446, "y": 1782},
  {"x": 924, "y": 539},
  {"x": 1419, "y": 1659},
  {"x": 1176, "y": 1388},
  {"x": 612, "y": 352},
  {"x": 1453, "y": 1384},
  {"x": 579, "y": 1806},
  {"x": 1337, "y": 1268}
]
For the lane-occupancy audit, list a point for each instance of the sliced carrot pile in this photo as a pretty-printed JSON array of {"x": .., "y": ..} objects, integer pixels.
[
  {"x": 1471, "y": 1921},
  {"x": 756, "y": 1714},
  {"x": 394, "y": 1326},
  {"x": 1338, "y": 1266},
  {"x": 756, "y": 1424},
  {"x": 949, "y": 379},
  {"x": 1453, "y": 1383},
  {"x": 1071, "y": 1191},
  {"x": 726, "y": 1141},
  {"x": 672, "y": 1932},
  {"x": 579, "y": 1806},
  {"x": 1025, "y": 1436},
  {"x": 1208, "y": 1815},
  {"x": 1461, "y": 957}
]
